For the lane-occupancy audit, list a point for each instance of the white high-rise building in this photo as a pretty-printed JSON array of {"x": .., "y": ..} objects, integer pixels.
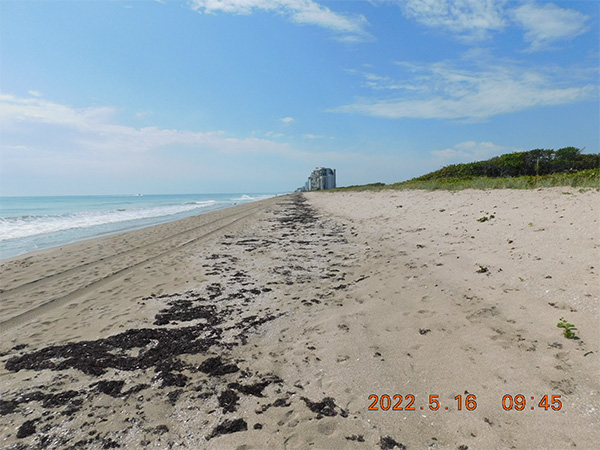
[{"x": 320, "y": 179}]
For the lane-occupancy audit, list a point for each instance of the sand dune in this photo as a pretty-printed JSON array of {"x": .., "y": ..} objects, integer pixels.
[{"x": 276, "y": 324}]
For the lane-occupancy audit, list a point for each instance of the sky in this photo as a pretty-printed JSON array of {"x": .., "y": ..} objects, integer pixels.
[{"x": 207, "y": 96}]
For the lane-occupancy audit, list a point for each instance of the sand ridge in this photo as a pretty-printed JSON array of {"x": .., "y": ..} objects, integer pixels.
[{"x": 274, "y": 330}]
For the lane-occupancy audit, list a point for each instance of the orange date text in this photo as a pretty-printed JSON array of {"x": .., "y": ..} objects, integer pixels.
[
  {"x": 407, "y": 402},
  {"x": 467, "y": 402}
]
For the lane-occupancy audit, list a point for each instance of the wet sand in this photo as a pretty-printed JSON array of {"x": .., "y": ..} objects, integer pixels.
[{"x": 276, "y": 324}]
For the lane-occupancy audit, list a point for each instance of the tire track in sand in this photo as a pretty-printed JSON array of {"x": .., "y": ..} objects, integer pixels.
[
  {"x": 31, "y": 314},
  {"x": 89, "y": 265}
]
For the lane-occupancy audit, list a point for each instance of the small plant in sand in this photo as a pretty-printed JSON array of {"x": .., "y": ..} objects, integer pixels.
[
  {"x": 568, "y": 327},
  {"x": 486, "y": 218}
]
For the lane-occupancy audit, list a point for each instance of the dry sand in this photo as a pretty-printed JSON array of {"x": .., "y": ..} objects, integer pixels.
[{"x": 271, "y": 325}]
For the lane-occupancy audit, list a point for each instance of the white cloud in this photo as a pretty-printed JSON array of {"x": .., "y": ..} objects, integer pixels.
[
  {"x": 94, "y": 129},
  {"x": 346, "y": 27},
  {"x": 141, "y": 114},
  {"x": 287, "y": 120},
  {"x": 14, "y": 110},
  {"x": 548, "y": 23},
  {"x": 381, "y": 83},
  {"x": 51, "y": 147},
  {"x": 443, "y": 91},
  {"x": 273, "y": 134},
  {"x": 469, "y": 151},
  {"x": 469, "y": 19}
]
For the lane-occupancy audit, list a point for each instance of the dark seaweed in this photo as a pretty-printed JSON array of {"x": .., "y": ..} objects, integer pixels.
[
  {"x": 7, "y": 406},
  {"x": 215, "y": 366},
  {"x": 228, "y": 400},
  {"x": 300, "y": 213},
  {"x": 357, "y": 438},
  {"x": 94, "y": 357},
  {"x": 387, "y": 443},
  {"x": 59, "y": 399},
  {"x": 172, "y": 379},
  {"x": 228, "y": 427},
  {"x": 183, "y": 311},
  {"x": 325, "y": 407},
  {"x": 173, "y": 396},
  {"x": 108, "y": 387},
  {"x": 27, "y": 429}
]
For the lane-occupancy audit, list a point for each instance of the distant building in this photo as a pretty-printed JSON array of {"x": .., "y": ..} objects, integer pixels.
[{"x": 320, "y": 179}]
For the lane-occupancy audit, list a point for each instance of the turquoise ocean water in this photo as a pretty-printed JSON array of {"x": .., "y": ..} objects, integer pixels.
[{"x": 34, "y": 223}]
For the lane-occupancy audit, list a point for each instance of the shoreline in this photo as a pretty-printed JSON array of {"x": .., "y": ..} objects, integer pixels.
[
  {"x": 160, "y": 220},
  {"x": 271, "y": 326},
  {"x": 102, "y": 251}
]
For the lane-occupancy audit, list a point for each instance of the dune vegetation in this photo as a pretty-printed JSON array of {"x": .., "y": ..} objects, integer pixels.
[{"x": 520, "y": 170}]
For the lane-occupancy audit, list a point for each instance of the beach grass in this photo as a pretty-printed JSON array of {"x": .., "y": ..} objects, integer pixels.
[{"x": 584, "y": 179}]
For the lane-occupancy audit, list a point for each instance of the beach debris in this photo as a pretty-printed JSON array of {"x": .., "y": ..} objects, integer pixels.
[
  {"x": 27, "y": 429},
  {"x": 7, "y": 407},
  {"x": 172, "y": 379},
  {"x": 109, "y": 387},
  {"x": 183, "y": 311},
  {"x": 482, "y": 269},
  {"x": 228, "y": 427},
  {"x": 173, "y": 396},
  {"x": 325, "y": 407},
  {"x": 388, "y": 443},
  {"x": 215, "y": 366},
  {"x": 228, "y": 400},
  {"x": 256, "y": 389},
  {"x": 157, "y": 346},
  {"x": 355, "y": 437},
  {"x": 160, "y": 429}
]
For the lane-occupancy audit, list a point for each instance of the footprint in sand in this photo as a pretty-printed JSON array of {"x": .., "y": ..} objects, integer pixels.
[
  {"x": 327, "y": 428},
  {"x": 483, "y": 313},
  {"x": 566, "y": 386}
]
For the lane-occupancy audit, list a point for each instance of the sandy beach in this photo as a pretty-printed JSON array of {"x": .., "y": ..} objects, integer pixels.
[{"x": 346, "y": 320}]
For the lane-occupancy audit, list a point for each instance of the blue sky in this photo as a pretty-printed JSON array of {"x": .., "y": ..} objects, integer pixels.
[{"x": 201, "y": 96}]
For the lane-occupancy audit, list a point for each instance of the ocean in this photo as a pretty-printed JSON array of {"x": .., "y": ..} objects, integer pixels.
[{"x": 35, "y": 223}]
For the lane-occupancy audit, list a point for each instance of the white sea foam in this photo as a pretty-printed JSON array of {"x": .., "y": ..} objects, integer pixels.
[
  {"x": 25, "y": 226},
  {"x": 244, "y": 198},
  {"x": 32, "y": 223},
  {"x": 247, "y": 198}
]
